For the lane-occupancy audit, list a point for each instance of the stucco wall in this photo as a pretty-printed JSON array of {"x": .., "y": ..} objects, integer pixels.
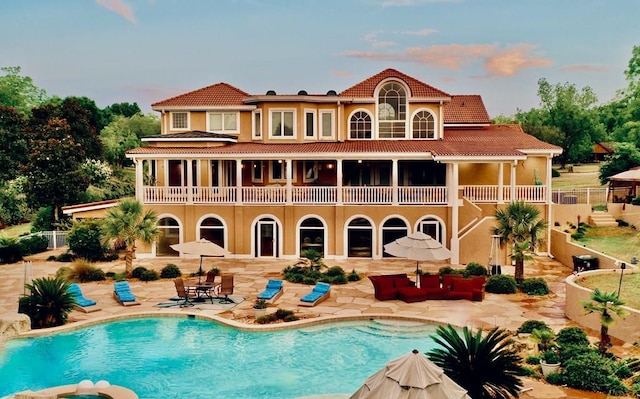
[
  {"x": 563, "y": 251},
  {"x": 624, "y": 328}
]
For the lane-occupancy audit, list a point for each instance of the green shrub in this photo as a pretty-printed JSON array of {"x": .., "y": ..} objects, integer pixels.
[
  {"x": 569, "y": 336},
  {"x": 592, "y": 372},
  {"x": 622, "y": 223},
  {"x": 534, "y": 286},
  {"x": 51, "y": 258},
  {"x": 110, "y": 256},
  {"x": 475, "y": 269},
  {"x": 446, "y": 270},
  {"x": 335, "y": 271},
  {"x": 636, "y": 200},
  {"x": 550, "y": 357},
  {"x": 10, "y": 250},
  {"x": 354, "y": 276},
  {"x": 529, "y": 372},
  {"x": 110, "y": 274},
  {"x": 85, "y": 240},
  {"x": 308, "y": 280},
  {"x": 555, "y": 173},
  {"x": 569, "y": 352},
  {"x": 291, "y": 317},
  {"x": 312, "y": 275},
  {"x": 43, "y": 220},
  {"x": 340, "y": 279},
  {"x": 138, "y": 271},
  {"x": 532, "y": 360},
  {"x": 266, "y": 319},
  {"x": 282, "y": 313},
  {"x": 149, "y": 275},
  {"x": 66, "y": 257},
  {"x": 33, "y": 245},
  {"x": 501, "y": 284},
  {"x": 555, "y": 379},
  {"x": 82, "y": 271},
  {"x": 528, "y": 326},
  {"x": 170, "y": 271}
]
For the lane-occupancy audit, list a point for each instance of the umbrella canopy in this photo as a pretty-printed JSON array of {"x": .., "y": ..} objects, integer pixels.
[
  {"x": 417, "y": 246},
  {"x": 201, "y": 247},
  {"x": 412, "y": 376}
]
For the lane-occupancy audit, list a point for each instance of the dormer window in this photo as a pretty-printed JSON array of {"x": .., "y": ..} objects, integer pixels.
[
  {"x": 223, "y": 122},
  {"x": 392, "y": 111}
]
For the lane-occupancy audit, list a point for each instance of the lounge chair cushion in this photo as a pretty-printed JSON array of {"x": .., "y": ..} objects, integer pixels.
[
  {"x": 271, "y": 291},
  {"x": 123, "y": 291},
  {"x": 268, "y": 294},
  {"x": 318, "y": 292},
  {"x": 274, "y": 284},
  {"x": 74, "y": 289}
]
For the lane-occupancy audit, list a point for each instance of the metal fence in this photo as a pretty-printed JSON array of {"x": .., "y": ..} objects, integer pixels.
[
  {"x": 590, "y": 196},
  {"x": 56, "y": 239}
]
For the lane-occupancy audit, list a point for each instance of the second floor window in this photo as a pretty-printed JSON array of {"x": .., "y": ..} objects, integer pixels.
[
  {"x": 423, "y": 125},
  {"x": 326, "y": 124},
  {"x": 179, "y": 120},
  {"x": 282, "y": 123},
  {"x": 360, "y": 126},
  {"x": 224, "y": 122},
  {"x": 392, "y": 111}
]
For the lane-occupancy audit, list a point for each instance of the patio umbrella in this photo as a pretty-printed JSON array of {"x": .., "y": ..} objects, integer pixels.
[
  {"x": 201, "y": 247},
  {"x": 411, "y": 376},
  {"x": 417, "y": 246}
]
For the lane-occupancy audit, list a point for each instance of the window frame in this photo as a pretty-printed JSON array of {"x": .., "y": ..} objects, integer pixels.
[
  {"x": 371, "y": 123},
  {"x": 400, "y": 119},
  {"x": 255, "y": 177},
  {"x": 332, "y": 127},
  {"x": 435, "y": 125},
  {"x": 282, "y": 111},
  {"x": 283, "y": 179},
  {"x": 224, "y": 114},
  {"x": 172, "y": 120},
  {"x": 312, "y": 125},
  {"x": 256, "y": 124}
]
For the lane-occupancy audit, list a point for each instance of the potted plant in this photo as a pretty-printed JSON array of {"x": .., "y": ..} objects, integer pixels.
[
  {"x": 544, "y": 337},
  {"x": 259, "y": 308},
  {"x": 549, "y": 362}
]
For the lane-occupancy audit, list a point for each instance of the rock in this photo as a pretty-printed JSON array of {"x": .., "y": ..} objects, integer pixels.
[{"x": 13, "y": 324}]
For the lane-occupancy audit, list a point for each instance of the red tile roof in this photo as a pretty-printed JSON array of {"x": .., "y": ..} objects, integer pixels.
[
  {"x": 219, "y": 94},
  {"x": 466, "y": 109},
  {"x": 367, "y": 86},
  {"x": 492, "y": 140}
]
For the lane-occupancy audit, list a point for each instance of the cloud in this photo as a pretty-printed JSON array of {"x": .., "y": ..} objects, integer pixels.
[
  {"x": 421, "y": 32},
  {"x": 496, "y": 61},
  {"x": 342, "y": 74},
  {"x": 373, "y": 39},
  {"x": 119, "y": 7},
  {"x": 584, "y": 68}
]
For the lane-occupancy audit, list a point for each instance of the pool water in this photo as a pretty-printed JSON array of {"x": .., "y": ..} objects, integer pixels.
[{"x": 172, "y": 357}]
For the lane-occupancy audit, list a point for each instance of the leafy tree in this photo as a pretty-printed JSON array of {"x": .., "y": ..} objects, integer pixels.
[
  {"x": 53, "y": 175},
  {"x": 85, "y": 240},
  {"x": 49, "y": 303},
  {"x": 624, "y": 158},
  {"x": 13, "y": 144},
  {"x": 124, "y": 134},
  {"x": 123, "y": 109},
  {"x": 607, "y": 304},
  {"x": 520, "y": 226},
  {"x": 18, "y": 91},
  {"x": 128, "y": 223},
  {"x": 487, "y": 367},
  {"x": 13, "y": 206}
]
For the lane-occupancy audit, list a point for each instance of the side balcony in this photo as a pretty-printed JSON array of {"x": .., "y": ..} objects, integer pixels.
[{"x": 327, "y": 195}]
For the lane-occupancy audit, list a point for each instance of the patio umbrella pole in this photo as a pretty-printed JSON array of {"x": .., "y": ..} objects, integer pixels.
[{"x": 200, "y": 270}]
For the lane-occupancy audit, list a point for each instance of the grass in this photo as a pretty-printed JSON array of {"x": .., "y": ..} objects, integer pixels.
[
  {"x": 16, "y": 231},
  {"x": 583, "y": 176},
  {"x": 630, "y": 289},
  {"x": 619, "y": 242}
]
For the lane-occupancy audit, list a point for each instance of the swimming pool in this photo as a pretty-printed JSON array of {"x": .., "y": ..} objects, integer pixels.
[{"x": 177, "y": 357}]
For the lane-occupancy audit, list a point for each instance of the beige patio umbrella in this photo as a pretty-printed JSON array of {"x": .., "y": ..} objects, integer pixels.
[
  {"x": 201, "y": 247},
  {"x": 417, "y": 246},
  {"x": 411, "y": 376}
]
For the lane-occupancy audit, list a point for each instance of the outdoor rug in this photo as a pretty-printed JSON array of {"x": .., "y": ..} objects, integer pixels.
[{"x": 206, "y": 305}]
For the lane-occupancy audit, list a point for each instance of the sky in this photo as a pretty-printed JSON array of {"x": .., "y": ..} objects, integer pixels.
[{"x": 146, "y": 51}]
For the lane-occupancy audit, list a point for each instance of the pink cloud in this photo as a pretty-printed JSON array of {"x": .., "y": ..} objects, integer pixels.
[
  {"x": 496, "y": 61},
  {"x": 119, "y": 7},
  {"x": 584, "y": 68}
]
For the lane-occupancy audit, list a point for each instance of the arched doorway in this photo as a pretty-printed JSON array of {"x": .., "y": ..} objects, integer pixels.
[
  {"x": 312, "y": 235},
  {"x": 360, "y": 238},
  {"x": 392, "y": 229},
  {"x": 169, "y": 235}
]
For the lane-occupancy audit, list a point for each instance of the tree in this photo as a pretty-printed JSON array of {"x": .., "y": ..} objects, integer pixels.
[
  {"x": 13, "y": 143},
  {"x": 123, "y": 109},
  {"x": 487, "y": 367},
  {"x": 519, "y": 225},
  {"x": 126, "y": 224},
  {"x": 53, "y": 174},
  {"x": 49, "y": 303},
  {"x": 18, "y": 91},
  {"x": 625, "y": 157},
  {"x": 607, "y": 304},
  {"x": 124, "y": 134}
]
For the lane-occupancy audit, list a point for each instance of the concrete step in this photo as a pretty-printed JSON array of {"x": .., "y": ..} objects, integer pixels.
[{"x": 602, "y": 219}]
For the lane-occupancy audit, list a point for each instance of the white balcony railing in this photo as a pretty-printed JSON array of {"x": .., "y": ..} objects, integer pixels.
[
  {"x": 314, "y": 195},
  {"x": 422, "y": 195},
  {"x": 366, "y": 195},
  {"x": 489, "y": 194}
]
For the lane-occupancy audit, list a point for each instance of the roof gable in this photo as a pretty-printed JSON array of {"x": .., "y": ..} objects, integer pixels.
[
  {"x": 466, "y": 109},
  {"x": 367, "y": 87},
  {"x": 219, "y": 94}
]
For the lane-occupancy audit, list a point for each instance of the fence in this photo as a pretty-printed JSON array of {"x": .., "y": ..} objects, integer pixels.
[
  {"x": 56, "y": 239},
  {"x": 589, "y": 196}
]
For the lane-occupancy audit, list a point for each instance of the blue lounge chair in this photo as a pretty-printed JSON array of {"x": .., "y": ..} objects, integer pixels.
[
  {"x": 83, "y": 304},
  {"x": 319, "y": 293},
  {"x": 273, "y": 291},
  {"x": 122, "y": 293}
]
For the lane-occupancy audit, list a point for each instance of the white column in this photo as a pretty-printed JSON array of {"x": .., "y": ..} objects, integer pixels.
[
  {"x": 339, "y": 181},
  {"x": 189, "y": 181},
  {"x": 238, "y": 181},
  {"x": 394, "y": 182},
  {"x": 514, "y": 167},
  {"x": 453, "y": 187},
  {"x": 501, "y": 183},
  {"x": 139, "y": 180},
  {"x": 289, "y": 177},
  {"x": 547, "y": 187}
]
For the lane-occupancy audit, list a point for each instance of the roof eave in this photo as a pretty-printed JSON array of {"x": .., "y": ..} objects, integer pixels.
[{"x": 234, "y": 107}]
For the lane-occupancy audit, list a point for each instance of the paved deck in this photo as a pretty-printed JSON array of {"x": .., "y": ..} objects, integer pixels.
[{"x": 251, "y": 276}]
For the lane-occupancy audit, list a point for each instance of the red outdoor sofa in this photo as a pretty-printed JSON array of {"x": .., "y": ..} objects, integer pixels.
[{"x": 432, "y": 286}]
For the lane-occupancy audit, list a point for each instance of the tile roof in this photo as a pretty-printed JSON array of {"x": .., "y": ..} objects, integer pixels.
[
  {"x": 466, "y": 109},
  {"x": 193, "y": 134},
  {"x": 219, "y": 94},
  {"x": 492, "y": 140},
  {"x": 367, "y": 86}
]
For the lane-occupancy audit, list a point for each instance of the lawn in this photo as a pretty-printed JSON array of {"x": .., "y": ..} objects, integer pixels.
[
  {"x": 620, "y": 242},
  {"x": 583, "y": 176},
  {"x": 15, "y": 231},
  {"x": 630, "y": 289}
]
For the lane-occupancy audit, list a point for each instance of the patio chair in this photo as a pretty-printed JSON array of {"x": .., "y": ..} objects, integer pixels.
[
  {"x": 184, "y": 295},
  {"x": 83, "y": 304},
  {"x": 319, "y": 293},
  {"x": 273, "y": 291},
  {"x": 122, "y": 293},
  {"x": 211, "y": 278},
  {"x": 226, "y": 288}
]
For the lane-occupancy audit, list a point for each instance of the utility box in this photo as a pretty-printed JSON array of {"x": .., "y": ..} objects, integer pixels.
[{"x": 585, "y": 262}]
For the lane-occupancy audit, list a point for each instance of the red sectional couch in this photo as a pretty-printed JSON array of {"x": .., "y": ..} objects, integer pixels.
[{"x": 432, "y": 286}]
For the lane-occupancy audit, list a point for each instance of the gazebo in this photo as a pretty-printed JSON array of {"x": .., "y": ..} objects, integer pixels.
[{"x": 623, "y": 186}]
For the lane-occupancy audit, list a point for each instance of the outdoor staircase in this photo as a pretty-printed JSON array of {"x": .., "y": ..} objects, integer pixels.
[{"x": 602, "y": 219}]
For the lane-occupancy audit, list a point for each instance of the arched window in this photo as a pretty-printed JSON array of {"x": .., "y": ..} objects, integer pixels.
[
  {"x": 432, "y": 227},
  {"x": 169, "y": 235},
  {"x": 312, "y": 235},
  {"x": 360, "y": 126},
  {"x": 212, "y": 229},
  {"x": 360, "y": 238},
  {"x": 423, "y": 126},
  {"x": 392, "y": 111},
  {"x": 392, "y": 229}
]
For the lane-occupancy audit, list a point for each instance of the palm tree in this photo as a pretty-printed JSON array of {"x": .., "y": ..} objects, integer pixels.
[
  {"x": 49, "y": 303},
  {"x": 127, "y": 224},
  {"x": 520, "y": 226},
  {"x": 486, "y": 367},
  {"x": 607, "y": 304}
]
